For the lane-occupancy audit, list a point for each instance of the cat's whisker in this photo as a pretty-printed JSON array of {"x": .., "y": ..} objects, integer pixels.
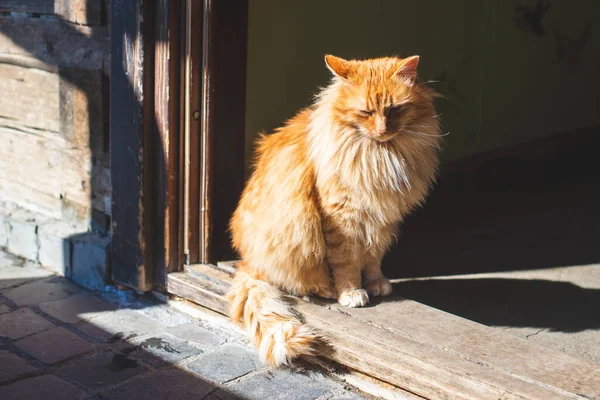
[
  {"x": 409, "y": 129},
  {"x": 426, "y": 134}
]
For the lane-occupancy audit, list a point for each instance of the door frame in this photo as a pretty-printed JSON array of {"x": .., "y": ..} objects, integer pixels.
[{"x": 148, "y": 98}]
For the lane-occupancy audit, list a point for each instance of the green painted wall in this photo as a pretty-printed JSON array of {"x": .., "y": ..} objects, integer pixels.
[{"x": 504, "y": 82}]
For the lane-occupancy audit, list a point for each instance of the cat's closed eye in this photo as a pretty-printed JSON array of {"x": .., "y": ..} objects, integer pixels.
[
  {"x": 366, "y": 113},
  {"x": 395, "y": 110}
]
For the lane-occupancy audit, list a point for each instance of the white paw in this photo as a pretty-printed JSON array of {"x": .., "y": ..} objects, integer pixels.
[
  {"x": 379, "y": 287},
  {"x": 354, "y": 298}
]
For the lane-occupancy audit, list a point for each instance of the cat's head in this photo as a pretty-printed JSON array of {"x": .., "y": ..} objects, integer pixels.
[{"x": 381, "y": 97}]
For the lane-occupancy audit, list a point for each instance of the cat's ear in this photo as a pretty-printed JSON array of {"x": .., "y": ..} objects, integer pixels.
[
  {"x": 408, "y": 68},
  {"x": 338, "y": 66}
]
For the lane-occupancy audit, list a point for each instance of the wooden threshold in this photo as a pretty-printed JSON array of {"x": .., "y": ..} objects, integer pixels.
[{"x": 421, "y": 349}]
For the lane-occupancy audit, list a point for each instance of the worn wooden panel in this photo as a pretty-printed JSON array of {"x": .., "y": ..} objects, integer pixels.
[
  {"x": 14, "y": 192},
  {"x": 502, "y": 366},
  {"x": 28, "y": 6},
  {"x": 192, "y": 98},
  {"x": 84, "y": 12},
  {"x": 424, "y": 350},
  {"x": 223, "y": 121},
  {"x": 166, "y": 140},
  {"x": 54, "y": 42},
  {"x": 474, "y": 341},
  {"x": 45, "y": 162},
  {"x": 29, "y": 97},
  {"x": 26, "y": 61},
  {"x": 83, "y": 109},
  {"x": 61, "y": 175},
  {"x": 71, "y": 102},
  {"x": 130, "y": 105},
  {"x": 182, "y": 284}
]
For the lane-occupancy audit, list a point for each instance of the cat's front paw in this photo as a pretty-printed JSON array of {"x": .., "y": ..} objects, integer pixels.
[
  {"x": 354, "y": 298},
  {"x": 379, "y": 287}
]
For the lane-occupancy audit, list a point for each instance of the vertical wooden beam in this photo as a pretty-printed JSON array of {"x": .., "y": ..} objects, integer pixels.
[
  {"x": 166, "y": 139},
  {"x": 130, "y": 116},
  {"x": 193, "y": 84},
  {"x": 224, "y": 102}
]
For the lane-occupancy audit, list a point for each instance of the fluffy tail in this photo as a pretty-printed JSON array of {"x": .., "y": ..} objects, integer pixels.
[{"x": 273, "y": 327}]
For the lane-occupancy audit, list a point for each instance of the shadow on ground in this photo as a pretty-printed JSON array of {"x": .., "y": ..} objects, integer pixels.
[
  {"x": 45, "y": 357},
  {"x": 59, "y": 341},
  {"x": 557, "y": 306}
]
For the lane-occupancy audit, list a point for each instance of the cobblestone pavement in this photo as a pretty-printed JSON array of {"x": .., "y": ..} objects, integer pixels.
[{"x": 59, "y": 341}]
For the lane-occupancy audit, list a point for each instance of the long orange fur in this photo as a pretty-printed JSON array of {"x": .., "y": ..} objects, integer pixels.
[{"x": 327, "y": 195}]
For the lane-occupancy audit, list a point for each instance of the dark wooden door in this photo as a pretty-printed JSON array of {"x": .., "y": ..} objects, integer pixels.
[
  {"x": 214, "y": 88},
  {"x": 178, "y": 82}
]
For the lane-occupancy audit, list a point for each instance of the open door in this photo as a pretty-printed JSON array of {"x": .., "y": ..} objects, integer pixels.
[
  {"x": 412, "y": 346},
  {"x": 211, "y": 169},
  {"x": 214, "y": 98}
]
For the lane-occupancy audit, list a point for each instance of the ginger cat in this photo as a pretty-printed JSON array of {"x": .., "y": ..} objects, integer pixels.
[{"x": 327, "y": 195}]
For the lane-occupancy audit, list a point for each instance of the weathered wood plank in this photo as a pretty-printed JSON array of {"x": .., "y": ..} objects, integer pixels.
[
  {"x": 130, "y": 124},
  {"x": 29, "y": 97},
  {"x": 83, "y": 108},
  {"x": 71, "y": 102},
  {"x": 474, "y": 341},
  {"x": 427, "y": 351},
  {"x": 28, "y": 6},
  {"x": 186, "y": 286},
  {"x": 15, "y": 193},
  {"x": 54, "y": 42},
  {"x": 416, "y": 366},
  {"x": 84, "y": 12},
  {"x": 166, "y": 140},
  {"x": 62, "y": 175}
]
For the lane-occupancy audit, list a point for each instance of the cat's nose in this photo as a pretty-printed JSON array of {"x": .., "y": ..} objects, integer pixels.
[{"x": 380, "y": 127}]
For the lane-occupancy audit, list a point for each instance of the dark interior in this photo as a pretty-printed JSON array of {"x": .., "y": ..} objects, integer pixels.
[{"x": 531, "y": 207}]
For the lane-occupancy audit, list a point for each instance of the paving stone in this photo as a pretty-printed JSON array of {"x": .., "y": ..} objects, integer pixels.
[
  {"x": 90, "y": 265},
  {"x": 55, "y": 345},
  {"x": 281, "y": 385},
  {"x": 18, "y": 274},
  {"x": 194, "y": 333},
  {"x": 119, "y": 325},
  {"x": 4, "y": 308},
  {"x": 228, "y": 362},
  {"x": 13, "y": 367},
  {"x": 76, "y": 308},
  {"x": 166, "y": 315},
  {"x": 45, "y": 387},
  {"x": 161, "y": 350},
  {"x": 100, "y": 370},
  {"x": 37, "y": 292},
  {"x": 223, "y": 394},
  {"x": 22, "y": 322},
  {"x": 172, "y": 384}
]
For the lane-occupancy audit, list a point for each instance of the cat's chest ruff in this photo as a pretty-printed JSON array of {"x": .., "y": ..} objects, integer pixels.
[{"x": 378, "y": 174}]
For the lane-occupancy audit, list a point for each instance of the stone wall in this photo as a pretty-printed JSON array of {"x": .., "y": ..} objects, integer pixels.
[{"x": 55, "y": 190}]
